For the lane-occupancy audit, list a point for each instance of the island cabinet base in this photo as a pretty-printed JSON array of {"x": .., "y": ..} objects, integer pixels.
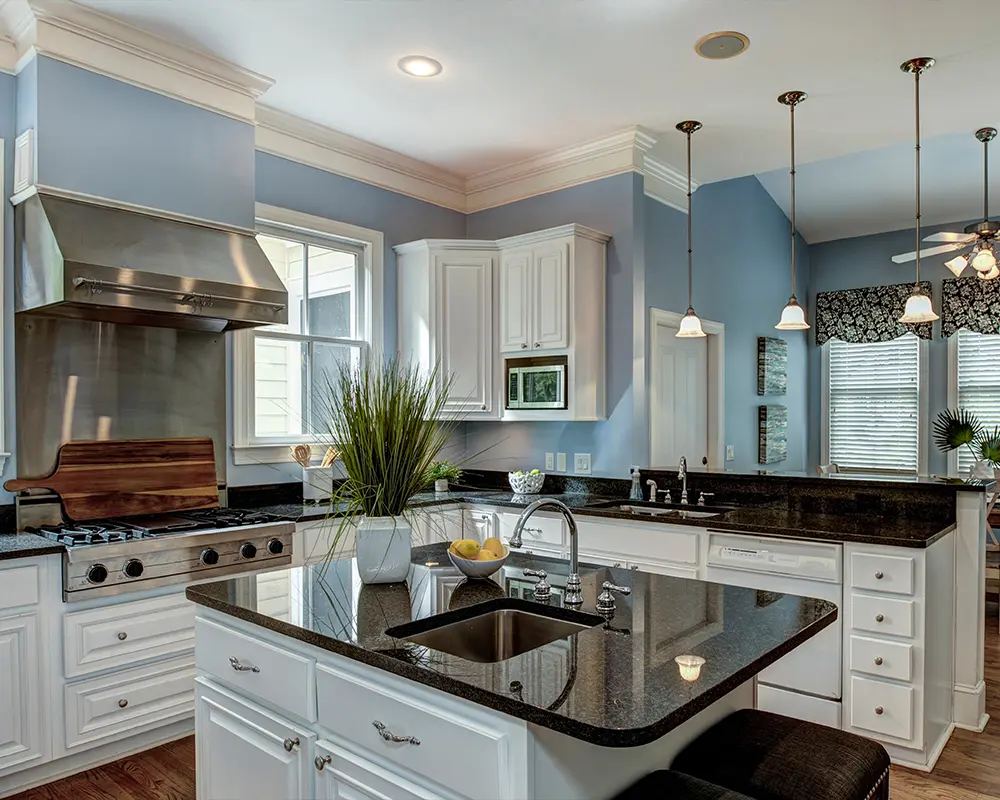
[{"x": 365, "y": 733}]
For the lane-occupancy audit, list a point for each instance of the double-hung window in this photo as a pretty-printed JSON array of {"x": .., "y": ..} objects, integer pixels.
[
  {"x": 283, "y": 372},
  {"x": 874, "y": 406},
  {"x": 977, "y": 380}
]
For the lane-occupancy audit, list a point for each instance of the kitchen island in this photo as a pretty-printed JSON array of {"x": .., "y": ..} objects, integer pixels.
[{"x": 313, "y": 698}]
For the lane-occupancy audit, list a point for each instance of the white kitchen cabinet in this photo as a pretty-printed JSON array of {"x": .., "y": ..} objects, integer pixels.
[
  {"x": 446, "y": 319},
  {"x": 20, "y": 692},
  {"x": 247, "y": 752},
  {"x": 534, "y": 299},
  {"x": 480, "y": 524},
  {"x": 343, "y": 775},
  {"x": 515, "y": 301}
]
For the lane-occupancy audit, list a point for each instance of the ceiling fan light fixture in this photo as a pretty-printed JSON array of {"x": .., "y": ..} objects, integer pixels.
[
  {"x": 957, "y": 265},
  {"x": 690, "y": 327},
  {"x": 988, "y": 276},
  {"x": 984, "y": 260},
  {"x": 918, "y": 309},
  {"x": 793, "y": 317}
]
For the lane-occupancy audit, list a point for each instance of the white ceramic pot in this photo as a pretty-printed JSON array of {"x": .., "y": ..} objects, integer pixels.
[
  {"x": 981, "y": 470},
  {"x": 441, "y": 485},
  {"x": 383, "y": 547}
]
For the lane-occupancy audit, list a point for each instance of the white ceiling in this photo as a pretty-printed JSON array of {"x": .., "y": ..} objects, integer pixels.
[{"x": 524, "y": 77}]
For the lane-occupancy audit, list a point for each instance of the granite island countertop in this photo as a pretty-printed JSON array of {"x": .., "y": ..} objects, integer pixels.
[
  {"x": 615, "y": 685},
  {"x": 26, "y": 545}
]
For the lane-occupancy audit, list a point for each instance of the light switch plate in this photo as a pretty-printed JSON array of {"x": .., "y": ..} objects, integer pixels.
[
  {"x": 730, "y": 454},
  {"x": 550, "y": 461},
  {"x": 581, "y": 463},
  {"x": 560, "y": 462}
]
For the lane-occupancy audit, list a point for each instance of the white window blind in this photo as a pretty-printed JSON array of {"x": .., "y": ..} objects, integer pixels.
[
  {"x": 874, "y": 405},
  {"x": 978, "y": 383}
]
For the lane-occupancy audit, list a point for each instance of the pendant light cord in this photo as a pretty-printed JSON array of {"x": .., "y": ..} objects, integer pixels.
[
  {"x": 791, "y": 111},
  {"x": 690, "y": 263},
  {"x": 986, "y": 180},
  {"x": 916, "y": 85}
]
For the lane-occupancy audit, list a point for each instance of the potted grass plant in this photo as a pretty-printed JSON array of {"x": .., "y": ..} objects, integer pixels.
[
  {"x": 442, "y": 473},
  {"x": 957, "y": 428},
  {"x": 390, "y": 422}
]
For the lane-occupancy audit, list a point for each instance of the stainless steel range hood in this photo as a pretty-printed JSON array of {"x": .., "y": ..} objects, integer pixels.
[{"x": 87, "y": 261}]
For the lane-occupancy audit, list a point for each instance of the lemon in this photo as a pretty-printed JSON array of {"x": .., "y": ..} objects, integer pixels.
[
  {"x": 486, "y": 555},
  {"x": 495, "y": 546},
  {"x": 466, "y": 548}
]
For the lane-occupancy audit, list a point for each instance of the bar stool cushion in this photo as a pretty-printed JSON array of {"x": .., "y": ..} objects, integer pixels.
[
  {"x": 669, "y": 785},
  {"x": 771, "y": 757}
]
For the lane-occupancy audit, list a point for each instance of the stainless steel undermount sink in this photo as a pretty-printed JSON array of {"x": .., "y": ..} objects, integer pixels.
[
  {"x": 660, "y": 509},
  {"x": 496, "y": 630}
]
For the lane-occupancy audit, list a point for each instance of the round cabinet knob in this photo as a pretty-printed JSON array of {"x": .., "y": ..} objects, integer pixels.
[
  {"x": 97, "y": 573},
  {"x": 209, "y": 557},
  {"x": 274, "y": 547},
  {"x": 483, "y": 408},
  {"x": 878, "y": 661},
  {"x": 879, "y": 710},
  {"x": 879, "y": 575},
  {"x": 321, "y": 761},
  {"x": 122, "y": 703},
  {"x": 133, "y": 568},
  {"x": 290, "y": 744},
  {"x": 538, "y": 344},
  {"x": 879, "y": 618},
  {"x": 524, "y": 347},
  {"x": 248, "y": 550},
  {"x": 122, "y": 636}
]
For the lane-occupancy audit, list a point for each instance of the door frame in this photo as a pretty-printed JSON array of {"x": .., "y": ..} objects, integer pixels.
[{"x": 716, "y": 332}]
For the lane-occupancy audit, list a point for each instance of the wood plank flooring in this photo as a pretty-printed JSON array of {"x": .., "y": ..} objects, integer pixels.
[{"x": 969, "y": 768}]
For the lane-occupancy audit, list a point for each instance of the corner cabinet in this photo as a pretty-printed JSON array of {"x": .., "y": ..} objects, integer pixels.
[{"x": 446, "y": 318}]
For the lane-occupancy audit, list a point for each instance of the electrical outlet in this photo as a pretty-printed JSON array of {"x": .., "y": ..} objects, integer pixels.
[
  {"x": 581, "y": 463},
  {"x": 550, "y": 462},
  {"x": 560, "y": 462},
  {"x": 730, "y": 453}
]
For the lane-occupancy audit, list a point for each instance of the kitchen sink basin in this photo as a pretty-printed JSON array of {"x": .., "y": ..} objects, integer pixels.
[
  {"x": 675, "y": 511},
  {"x": 496, "y": 630}
]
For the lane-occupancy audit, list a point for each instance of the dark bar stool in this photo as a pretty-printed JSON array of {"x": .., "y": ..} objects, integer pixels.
[
  {"x": 669, "y": 785},
  {"x": 770, "y": 757}
]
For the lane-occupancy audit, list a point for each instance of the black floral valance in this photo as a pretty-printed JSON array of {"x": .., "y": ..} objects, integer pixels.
[
  {"x": 970, "y": 303},
  {"x": 866, "y": 315}
]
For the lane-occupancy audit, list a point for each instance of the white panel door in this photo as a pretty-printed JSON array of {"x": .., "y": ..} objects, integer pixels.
[
  {"x": 465, "y": 330},
  {"x": 515, "y": 301},
  {"x": 245, "y": 752},
  {"x": 679, "y": 400},
  {"x": 20, "y": 692},
  {"x": 342, "y": 775},
  {"x": 550, "y": 297}
]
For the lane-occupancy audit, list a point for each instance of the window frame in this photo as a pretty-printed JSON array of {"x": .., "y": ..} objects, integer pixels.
[
  {"x": 248, "y": 448},
  {"x": 923, "y": 426},
  {"x": 953, "y": 400}
]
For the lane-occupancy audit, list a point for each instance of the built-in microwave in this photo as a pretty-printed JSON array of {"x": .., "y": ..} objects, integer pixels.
[{"x": 536, "y": 383}]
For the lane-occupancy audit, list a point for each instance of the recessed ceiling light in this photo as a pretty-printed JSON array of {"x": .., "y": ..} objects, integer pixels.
[
  {"x": 722, "y": 44},
  {"x": 420, "y": 66}
]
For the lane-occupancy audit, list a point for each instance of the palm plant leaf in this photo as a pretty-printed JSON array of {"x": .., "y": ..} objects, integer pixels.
[
  {"x": 955, "y": 428},
  {"x": 987, "y": 446}
]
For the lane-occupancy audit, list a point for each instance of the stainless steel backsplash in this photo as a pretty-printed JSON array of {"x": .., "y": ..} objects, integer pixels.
[{"x": 79, "y": 380}]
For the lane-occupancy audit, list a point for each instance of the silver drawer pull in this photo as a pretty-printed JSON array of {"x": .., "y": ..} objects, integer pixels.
[
  {"x": 533, "y": 530},
  {"x": 290, "y": 744},
  {"x": 240, "y": 667},
  {"x": 879, "y": 618},
  {"x": 122, "y": 636},
  {"x": 389, "y": 736},
  {"x": 321, "y": 761},
  {"x": 878, "y": 661},
  {"x": 122, "y": 703},
  {"x": 879, "y": 710},
  {"x": 879, "y": 575}
]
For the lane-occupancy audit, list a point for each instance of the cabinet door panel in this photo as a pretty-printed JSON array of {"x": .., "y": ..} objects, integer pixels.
[
  {"x": 20, "y": 692},
  {"x": 342, "y": 775},
  {"x": 515, "y": 316},
  {"x": 550, "y": 297},
  {"x": 465, "y": 331}
]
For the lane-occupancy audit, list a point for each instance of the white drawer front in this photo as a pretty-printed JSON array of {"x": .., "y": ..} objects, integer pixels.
[
  {"x": 882, "y": 658},
  {"x": 882, "y": 615},
  {"x": 348, "y": 776},
  {"x": 129, "y": 633},
  {"x": 119, "y": 705},
  {"x": 540, "y": 529},
  {"x": 285, "y": 680},
  {"x": 656, "y": 542},
  {"x": 882, "y": 573},
  {"x": 885, "y": 708},
  {"x": 19, "y": 586},
  {"x": 350, "y": 705}
]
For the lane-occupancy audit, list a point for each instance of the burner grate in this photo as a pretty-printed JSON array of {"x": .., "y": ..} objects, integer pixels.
[{"x": 79, "y": 534}]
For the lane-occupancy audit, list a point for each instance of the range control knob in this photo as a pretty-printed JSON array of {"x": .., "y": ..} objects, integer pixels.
[
  {"x": 248, "y": 550},
  {"x": 97, "y": 573},
  {"x": 274, "y": 547},
  {"x": 132, "y": 568},
  {"x": 209, "y": 557}
]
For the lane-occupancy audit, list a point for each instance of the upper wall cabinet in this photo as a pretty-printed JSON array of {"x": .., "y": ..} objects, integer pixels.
[
  {"x": 534, "y": 297},
  {"x": 446, "y": 318}
]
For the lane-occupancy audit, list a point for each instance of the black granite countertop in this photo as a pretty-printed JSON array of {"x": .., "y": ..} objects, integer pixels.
[
  {"x": 615, "y": 685},
  {"x": 24, "y": 545}
]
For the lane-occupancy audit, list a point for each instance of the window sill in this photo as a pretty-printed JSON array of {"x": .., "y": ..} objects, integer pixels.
[{"x": 250, "y": 455}]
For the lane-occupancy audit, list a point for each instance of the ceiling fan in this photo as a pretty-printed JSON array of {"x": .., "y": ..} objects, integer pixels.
[{"x": 981, "y": 239}]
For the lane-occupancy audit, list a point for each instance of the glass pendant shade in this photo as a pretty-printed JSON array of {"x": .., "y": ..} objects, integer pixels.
[
  {"x": 984, "y": 260},
  {"x": 988, "y": 276},
  {"x": 793, "y": 317},
  {"x": 690, "y": 327},
  {"x": 957, "y": 264},
  {"x": 918, "y": 309}
]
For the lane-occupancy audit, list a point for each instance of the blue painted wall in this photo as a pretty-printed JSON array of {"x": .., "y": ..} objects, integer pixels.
[
  {"x": 108, "y": 138},
  {"x": 867, "y": 261},
  {"x": 741, "y": 279},
  {"x": 610, "y": 205}
]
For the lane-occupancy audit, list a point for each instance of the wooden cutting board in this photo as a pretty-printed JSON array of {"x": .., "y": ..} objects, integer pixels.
[{"x": 123, "y": 478}]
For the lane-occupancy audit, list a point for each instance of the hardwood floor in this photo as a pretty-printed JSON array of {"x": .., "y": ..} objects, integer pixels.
[{"x": 969, "y": 768}]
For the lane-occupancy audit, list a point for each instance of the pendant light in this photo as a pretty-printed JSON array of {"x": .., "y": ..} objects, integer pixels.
[
  {"x": 793, "y": 316},
  {"x": 918, "y": 305},
  {"x": 690, "y": 327}
]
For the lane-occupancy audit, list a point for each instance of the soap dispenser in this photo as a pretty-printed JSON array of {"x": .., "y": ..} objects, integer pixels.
[{"x": 636, "y": 491}]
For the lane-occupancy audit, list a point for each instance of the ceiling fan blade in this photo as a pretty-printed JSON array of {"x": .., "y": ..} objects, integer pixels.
[
  {"x": 902, "y": 258},
  {"x": 945, "y": 236}
]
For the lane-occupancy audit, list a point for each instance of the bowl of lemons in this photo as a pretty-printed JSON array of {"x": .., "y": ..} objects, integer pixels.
[{"x": 476, "y": 560}]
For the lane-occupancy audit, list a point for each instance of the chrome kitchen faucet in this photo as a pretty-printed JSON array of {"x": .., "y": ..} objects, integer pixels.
[{"x": 573, "y": 595}]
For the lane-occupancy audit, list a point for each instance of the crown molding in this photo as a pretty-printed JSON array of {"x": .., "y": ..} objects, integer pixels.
[
  {"x": 317, "y": 146},
  {"x": 86, "y": 38},
  {"x": 664, "y": 183},
  {"x": 522, "y": 240}
]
